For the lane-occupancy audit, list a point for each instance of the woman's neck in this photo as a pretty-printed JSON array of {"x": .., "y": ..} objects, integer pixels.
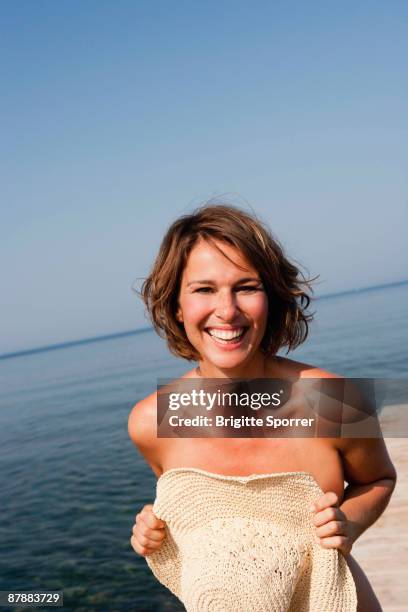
[{"x": 259, "y": 367}]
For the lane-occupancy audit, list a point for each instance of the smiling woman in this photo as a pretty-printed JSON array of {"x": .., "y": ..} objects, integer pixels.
[
  {"x": 224, "y": 252},
  {"x": 249, "y": 524},
  {"x": 225, "y": 315}
]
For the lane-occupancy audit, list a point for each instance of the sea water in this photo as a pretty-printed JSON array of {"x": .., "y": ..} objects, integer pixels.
[{"x": 71, "y": 481}]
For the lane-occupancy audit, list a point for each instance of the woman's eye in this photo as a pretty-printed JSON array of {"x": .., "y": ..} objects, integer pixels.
[
  {"x": 248, "y": 288},
  {"x": 203, "y": 290}
]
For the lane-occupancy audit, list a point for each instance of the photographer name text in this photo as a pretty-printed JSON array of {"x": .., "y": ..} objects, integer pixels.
[{"x": 238, "y": 422}]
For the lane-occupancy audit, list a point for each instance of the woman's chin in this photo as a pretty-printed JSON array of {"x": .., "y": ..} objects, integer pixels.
[{"x": 227, "y": 361}]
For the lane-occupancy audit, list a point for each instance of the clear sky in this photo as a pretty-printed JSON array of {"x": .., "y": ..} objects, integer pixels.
[{"x": 118, "y": 116}]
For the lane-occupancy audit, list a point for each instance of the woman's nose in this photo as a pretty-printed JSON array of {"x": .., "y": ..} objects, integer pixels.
[{"x": 226, "y": 306}]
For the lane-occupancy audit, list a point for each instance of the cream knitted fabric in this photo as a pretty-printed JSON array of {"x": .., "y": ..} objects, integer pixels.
[{"x": 246, "y": 544}]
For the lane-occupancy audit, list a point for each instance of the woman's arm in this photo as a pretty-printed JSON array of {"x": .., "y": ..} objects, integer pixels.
[
  {"x": 148, "y": 532},
  {"x": 368, "y": 471},
  {"x": 371, "y": 479}
]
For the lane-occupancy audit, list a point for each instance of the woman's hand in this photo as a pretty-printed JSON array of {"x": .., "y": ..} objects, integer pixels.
[
  {"x": 148, "y": 532},
  {"x": 332, "y": 527}
]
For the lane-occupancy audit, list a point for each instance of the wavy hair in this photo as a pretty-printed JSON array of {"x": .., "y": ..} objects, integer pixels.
[{"x": 285, "y": 285}]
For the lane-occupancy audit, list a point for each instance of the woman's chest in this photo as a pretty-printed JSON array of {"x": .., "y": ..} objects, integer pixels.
[{"x": 243, "y": 457}]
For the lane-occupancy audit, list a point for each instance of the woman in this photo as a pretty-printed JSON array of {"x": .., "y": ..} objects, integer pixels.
[{"x": 223, "y": 294}]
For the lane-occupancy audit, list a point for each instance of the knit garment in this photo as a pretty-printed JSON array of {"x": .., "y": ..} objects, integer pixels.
[{"x": 246, "y": 544}]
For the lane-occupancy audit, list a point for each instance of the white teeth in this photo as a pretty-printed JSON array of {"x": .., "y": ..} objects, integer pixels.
[{"x": 226, "y": 334}]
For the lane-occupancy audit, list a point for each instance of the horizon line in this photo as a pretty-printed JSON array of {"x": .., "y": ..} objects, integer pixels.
[{"x": 141, "y": 330}]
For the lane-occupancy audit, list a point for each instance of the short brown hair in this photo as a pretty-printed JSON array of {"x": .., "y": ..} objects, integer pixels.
[{"x": 285, "y": 286}]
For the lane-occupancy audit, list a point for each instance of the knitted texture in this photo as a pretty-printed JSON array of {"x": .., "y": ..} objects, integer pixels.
[{"x": 246, "y": 544}]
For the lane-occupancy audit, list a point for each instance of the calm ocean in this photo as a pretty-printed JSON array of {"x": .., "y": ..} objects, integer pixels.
[{"x": 72, "y": 482}]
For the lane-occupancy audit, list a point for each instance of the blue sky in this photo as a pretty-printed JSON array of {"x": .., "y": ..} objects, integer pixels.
[{"x": 116, "y": 117}]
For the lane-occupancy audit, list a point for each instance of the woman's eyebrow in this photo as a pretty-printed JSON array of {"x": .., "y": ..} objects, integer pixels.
[
  {"x": 246, "y": 279},
  {"x": 200, "y": 282},
  {"x": 249, "y": 279}
]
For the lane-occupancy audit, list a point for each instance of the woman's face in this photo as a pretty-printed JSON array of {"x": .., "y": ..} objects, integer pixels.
[{"x": 224, "y": 308}]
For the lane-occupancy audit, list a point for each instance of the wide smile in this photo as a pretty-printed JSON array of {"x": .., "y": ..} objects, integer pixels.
[{"x": 227, "y": 338}]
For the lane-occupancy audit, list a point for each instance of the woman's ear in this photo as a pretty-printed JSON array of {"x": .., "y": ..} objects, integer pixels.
[{"x": 179, "y": 315}]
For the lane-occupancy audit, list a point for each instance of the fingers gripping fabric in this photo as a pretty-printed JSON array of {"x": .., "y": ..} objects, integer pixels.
[{"x": 246, "y": 544}]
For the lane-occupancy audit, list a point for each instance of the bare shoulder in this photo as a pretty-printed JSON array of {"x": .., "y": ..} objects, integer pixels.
[
  {"x": 310, "y": 371},
  {"x": 142, "y": 428},
  {"x": 298, "y": 369},
  {"x": 142, "y": 420},
  {"x": 364, "y": 460},
  {"x": 142, "y": 423}
]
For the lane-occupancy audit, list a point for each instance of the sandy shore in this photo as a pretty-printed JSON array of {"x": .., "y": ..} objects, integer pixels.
[{"x": 382, "y": 550}]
